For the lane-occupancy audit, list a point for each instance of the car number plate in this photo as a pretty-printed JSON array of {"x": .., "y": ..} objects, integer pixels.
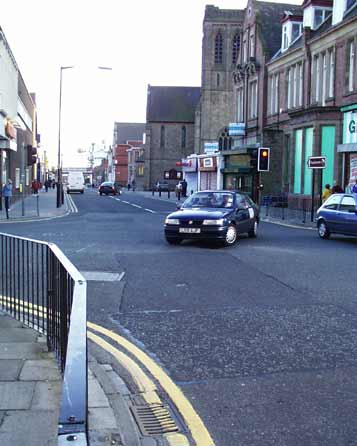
[{"x": 190, "y": 230}]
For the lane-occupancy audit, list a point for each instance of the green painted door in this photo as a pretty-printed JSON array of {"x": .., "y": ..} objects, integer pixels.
[
  {"x": 328, "y": 150},
  {"x": 308, "y": 152},
  {"x": 297, "y": 161}
]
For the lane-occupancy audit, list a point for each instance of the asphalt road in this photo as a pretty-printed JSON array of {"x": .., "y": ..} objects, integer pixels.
[{"x": 262, "y": 336}]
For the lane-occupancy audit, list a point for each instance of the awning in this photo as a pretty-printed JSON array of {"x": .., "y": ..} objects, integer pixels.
[{"x": 347, "y": 147}]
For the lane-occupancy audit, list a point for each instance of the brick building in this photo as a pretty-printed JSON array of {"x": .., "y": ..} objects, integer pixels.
[
  {"x": 312, "y": 95},
  {"x": 170, "y": 118}
]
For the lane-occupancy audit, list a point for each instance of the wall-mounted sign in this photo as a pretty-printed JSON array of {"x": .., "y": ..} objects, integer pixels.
[
  {"x": 211, "y": 147},
  {"x": 208, "y": 164},
  {"x": 316, "y": 162},
  {"x": 350, "y": 127},
  {"x": 10, "y": 130},
  {"x": 236, "y": 129},
  {"x": 172, "y": 174}
]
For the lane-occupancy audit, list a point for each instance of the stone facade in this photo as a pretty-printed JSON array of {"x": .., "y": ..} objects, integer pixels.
[{"x": 216, "y": 108}]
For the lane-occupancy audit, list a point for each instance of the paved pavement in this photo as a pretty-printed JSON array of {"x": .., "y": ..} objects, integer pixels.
[{"x": 40, "y": 206}]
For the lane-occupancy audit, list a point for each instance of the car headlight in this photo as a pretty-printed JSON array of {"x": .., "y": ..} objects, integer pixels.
[
  {"x": 172, "y": 221},
  {"x": 218, "y": 222}
]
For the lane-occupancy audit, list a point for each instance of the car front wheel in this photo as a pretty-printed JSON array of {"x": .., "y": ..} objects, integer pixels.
[
  {"x": 323, "y": 230},
  {"x": 231, "y": 235},
  {"x": 254, "y": 231}
]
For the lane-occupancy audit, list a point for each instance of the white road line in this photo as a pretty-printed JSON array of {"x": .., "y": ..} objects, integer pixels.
[
  {"x": 86, "y": 247},
  {"x": 127, "y": 202},
  {"x": 149, "y": 210},
  {"x": 136, "y": 206},
  {"x": 118, "y": 199}
]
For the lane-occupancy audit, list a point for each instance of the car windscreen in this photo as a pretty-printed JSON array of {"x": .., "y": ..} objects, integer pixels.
[
  {"x": 107, "y": 184},
  {"x": 209, "y": 200}
]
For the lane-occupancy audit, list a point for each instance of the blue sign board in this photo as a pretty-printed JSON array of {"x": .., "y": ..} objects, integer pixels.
[
  {"x": 236, "y": 129},
  {"x": 211, "y": 147}
]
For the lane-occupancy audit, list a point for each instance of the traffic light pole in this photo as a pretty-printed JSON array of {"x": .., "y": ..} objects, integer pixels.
[
  {"x": 22, "y": 179},
  {"x": 59, "y": 179}
]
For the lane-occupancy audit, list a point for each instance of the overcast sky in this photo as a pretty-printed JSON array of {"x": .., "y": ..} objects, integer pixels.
[{"x": 155, "y": 42}]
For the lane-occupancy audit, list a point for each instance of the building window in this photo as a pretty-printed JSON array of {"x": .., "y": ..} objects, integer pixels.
[
  {"x": 285, "y": 42},
  {"x": 253, "y": 95},
  {"x": 296, "y": 31},
  {"x": 224, "y": 141},
  {"x": 244, "y": 51},
  {"x": 320, "y": 16},
  {"x": 218, "y": 49},
  {"x": 331, "y": 73},
  {"x": 351, "y": 66},
  {"x": 324, "y": 79},
  {"x": 252, "y": 46},
  {"x": 162, "y": 136},
  {"x": 288, "y": 102},
  {"x": 349, "y": 4},
  {"x": 183, "y": 137},
  {"x": 295, "y": 85},
  {"x": 317, "y": 78},
  {"x": 218, "y": 80},
  {"x": 235, "y": 48},
  {"x": 240, "y": 105},
  {"x": 301, "y": 83},
  {"x": 274, "y": 94}
]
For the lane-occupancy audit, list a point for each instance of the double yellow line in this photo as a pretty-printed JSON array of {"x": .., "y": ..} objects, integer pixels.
[{"x": 144, "y": 383}]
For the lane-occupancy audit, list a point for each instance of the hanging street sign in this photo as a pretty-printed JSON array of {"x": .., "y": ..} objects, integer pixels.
[{"x": 316, "y": 162}]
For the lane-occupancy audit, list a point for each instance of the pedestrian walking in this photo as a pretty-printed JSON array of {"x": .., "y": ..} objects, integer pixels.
[
  {"x": 178, "y": 190},
  {"x": 354, "y": 188},
  {"x": 129, "y": 186},
  {"x": 184, "y": 188},
  {"x": 35, "y": 186},
  {"x": 7, "y": 194},
  {"x": 133, "y": 184},
  {"x": 336, "y": 189},
  {"x": 47, "y": 185},
  {"x": 326, "y": 192}
]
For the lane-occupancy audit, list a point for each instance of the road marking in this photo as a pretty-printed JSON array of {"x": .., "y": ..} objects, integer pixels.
[
  {"x": 198, "y": 430},
  {"x": 86, "y": 247},
  {"x": 149, "y": 210},
  {"x": 136, "y": 206},
  {"x": 127, "y": 202}
]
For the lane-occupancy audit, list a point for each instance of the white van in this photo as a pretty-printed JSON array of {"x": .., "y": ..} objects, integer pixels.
[{"x": 75, "y": 182}]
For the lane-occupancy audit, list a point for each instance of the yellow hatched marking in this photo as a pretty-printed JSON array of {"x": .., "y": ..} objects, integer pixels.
[{"x": 198, "y": 430}]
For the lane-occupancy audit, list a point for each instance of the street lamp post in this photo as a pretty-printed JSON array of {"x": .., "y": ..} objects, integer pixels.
[{"x": 59, "y": 175}]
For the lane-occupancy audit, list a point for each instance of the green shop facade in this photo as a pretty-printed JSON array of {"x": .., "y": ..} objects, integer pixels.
[{"x": 348, "y": 148}]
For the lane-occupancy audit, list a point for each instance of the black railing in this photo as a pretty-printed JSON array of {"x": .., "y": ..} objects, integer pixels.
[
  {"x": 40, "y": 287},
  {"x": 298, "y": 208}
]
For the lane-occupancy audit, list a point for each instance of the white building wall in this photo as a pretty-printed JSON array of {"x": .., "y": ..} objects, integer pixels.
[{"x": 8, "y": 81}]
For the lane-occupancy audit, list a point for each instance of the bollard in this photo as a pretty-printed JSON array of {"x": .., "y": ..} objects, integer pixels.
[
  {"x": 168, "y": 193},
  {"x": 153, "y": 191},
  {"x": 160, "y": 193},
  {"x": 178, "y": 195},
  {"x": 37, "y": 205}
]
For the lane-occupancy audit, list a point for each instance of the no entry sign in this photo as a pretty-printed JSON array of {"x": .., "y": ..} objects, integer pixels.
[{"x": 317, "y": 162}]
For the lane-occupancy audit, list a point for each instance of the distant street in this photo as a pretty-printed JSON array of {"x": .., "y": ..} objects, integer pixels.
[{"x": 261, "y": 336}]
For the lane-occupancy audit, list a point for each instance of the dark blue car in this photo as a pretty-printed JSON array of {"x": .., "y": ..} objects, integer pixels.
[
  {"x": 338, "y": 215},
  {"x": 213, "y": 215}
]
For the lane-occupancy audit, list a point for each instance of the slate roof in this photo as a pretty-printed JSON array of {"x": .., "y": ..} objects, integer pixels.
[
  {"x": 213, "y": 13},
  {"x": 269, "y": 16},
  {"x": 172, "y": 104},
  {"x": 125, "y": 131}
]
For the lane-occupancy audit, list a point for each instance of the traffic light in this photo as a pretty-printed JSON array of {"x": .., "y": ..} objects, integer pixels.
[
  {"x": 254, "y": 158},
  {"x": 31, "y": 155},
  {"x": 263, "y": 159}
]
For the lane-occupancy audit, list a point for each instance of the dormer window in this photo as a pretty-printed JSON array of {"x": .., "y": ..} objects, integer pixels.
[
  {"x": 349, "y": 4},
  {"x": 320, "y": 16},
  {"x": 291, "y": 31}
]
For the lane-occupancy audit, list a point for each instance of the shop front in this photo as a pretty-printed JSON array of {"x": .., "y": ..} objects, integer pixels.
[
  {"x": 348, "y": 148},
  {"x": 190, "y": 173},
  {"x": 209, "y": 177},
  {"x": 238, "y": 173}
]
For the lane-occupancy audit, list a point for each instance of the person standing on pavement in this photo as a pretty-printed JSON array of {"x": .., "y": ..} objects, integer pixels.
[
  {"x": 326, "y": 192},
  {"x": 337, "y": 189},
  {"x": 184, "y": 188},
  {"x": 354, "y": 188},
  {"x": 133, "y": 185},
  {"x": 35, "y": 186},
  {"x": 7, "y": 194}
]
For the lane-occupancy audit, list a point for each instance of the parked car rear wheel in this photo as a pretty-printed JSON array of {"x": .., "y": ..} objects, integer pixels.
[{"x": 323, "y": 230}]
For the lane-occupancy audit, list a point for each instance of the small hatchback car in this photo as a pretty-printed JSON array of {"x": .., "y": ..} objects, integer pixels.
[
  {"x": 338, "y": 215},
  {"x": 108, "y": 187},
  {"x": 213, "y": 215}
]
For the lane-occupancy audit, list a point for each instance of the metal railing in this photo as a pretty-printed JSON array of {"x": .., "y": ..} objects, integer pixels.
[
  {"x": 289, "y": 207},
  {"x": 40, "y": 287}
]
